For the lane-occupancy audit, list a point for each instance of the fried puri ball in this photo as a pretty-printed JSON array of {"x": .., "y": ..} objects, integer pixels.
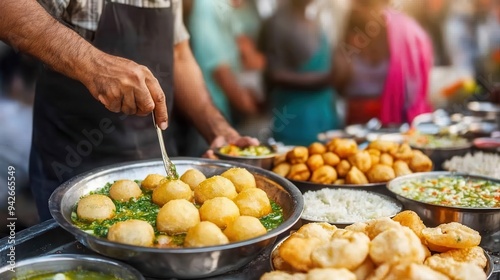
[
  {"x": 380, "y": 173},
  {"x": 322, "y": 231},
  {"x": 214, "y": 187},
  {"x": 280, "y": 275},
  {"x": 365, "y": 269},
  {"x": 397, "y": 245},
  {"x": 377, "y": 226},
  {"x": 338, "y": 252},
  {"x": 343, "y": 168},
  {"x": 386, "y": 159},
  {"x": 170, "y": 190},
  {"x": 95, "y": 207},
  {"x": 456, "y": 270},
  {"x": 243, "y": 228},
  {"x": 330, "y": 146},
  {"x": 411, "y": 220},
  {"x": 420, "y": 162},
  {"x": 317, "y": 148},
  {"x": 253, "y": 202},
  {"x": 297, "y": 155},
  {"x": 339, "y": 182},
  {"x": 299, "y": 172},
  {"x": 220, "y": 211},
  {"x": 473, "y": 255},
  {"x": 346, "y": 148},
  {"x": 374, "y": 156},
  {"x": 362, "y": 160},
  {"x": 403, "y": 152},
  {"x": 177, "y": 216},
  {"x": 331, "y": 159},
  {"x": 330, "y": 273},
  {"x": 401, "y": 168},
  {"x": 358, "y": 227},
  {"x": 413, "y": 271},
  {"x": 205, "y": 234},
  {"x": 193, "y": 177},
  {"x": 282, "y": 169},
  {"x": 355, "y": 177},
  {"x": 297, "y": 251},
  {"x": 383, "y": 146},
  {"x": 132, "y": 232},
  {"x": 279, "y": 158},
  {"x": 241, "y": 178},
  {"x": 151, "y": 181},
  {"x": 124, "y": 190},
  {"x": 452, "y": 236},
  {"x": 324, "y": 175},
  {"x": 314, "y": 162}
]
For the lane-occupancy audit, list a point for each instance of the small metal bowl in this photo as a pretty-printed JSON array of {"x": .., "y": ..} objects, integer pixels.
[
  {"x": 29, "y": 268},
  {"x": 265, "y": 162},
  {"x": 484, "y": 220}
]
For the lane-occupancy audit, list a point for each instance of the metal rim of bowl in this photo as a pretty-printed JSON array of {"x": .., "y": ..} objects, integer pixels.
[
  {"x": 437, "y": 174},
  {"x": 58, "y": 194},
  {"x": 77, "y": 257},
  {"x": 273, "y": 153},
  {"x": 344, "y": 224}
]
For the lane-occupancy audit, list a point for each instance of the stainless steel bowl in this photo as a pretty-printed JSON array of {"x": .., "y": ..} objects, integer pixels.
[
  {"x": 265, "y": 162},
  {"x": 176, "y": 262},
  {"x": 38, "y": 266},
  {"x": 484, "y": 220}
]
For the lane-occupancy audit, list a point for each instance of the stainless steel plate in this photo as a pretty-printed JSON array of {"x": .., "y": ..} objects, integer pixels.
[{"x": 180, "y": 262}]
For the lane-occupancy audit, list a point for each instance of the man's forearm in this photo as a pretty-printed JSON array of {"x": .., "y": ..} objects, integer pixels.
[
  {"x": 25, "y": 25},
  {"x": 193, "y": 99}
]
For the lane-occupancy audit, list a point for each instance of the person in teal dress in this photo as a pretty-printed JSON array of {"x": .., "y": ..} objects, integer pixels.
[
  {"x": 214, "y": 26},
  {"x": 299, "y": 61}
]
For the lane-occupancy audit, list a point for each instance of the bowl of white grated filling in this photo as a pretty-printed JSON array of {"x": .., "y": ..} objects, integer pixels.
[
  {"x": 343, "y": 207},
  {"x": 479, "y": 163}
]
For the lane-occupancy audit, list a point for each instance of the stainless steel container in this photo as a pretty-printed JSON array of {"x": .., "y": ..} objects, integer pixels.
[
  {"x": 176, "y": 262},
  {"x": 265, "y": 161},
  {"x": 484, "y": 220},
  {"x": 38, "y": 266}
]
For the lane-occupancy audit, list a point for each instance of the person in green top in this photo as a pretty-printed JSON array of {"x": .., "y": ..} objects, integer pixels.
[
  {"x": 299, "y": 60},
  {"x": 214, "y": 26}
]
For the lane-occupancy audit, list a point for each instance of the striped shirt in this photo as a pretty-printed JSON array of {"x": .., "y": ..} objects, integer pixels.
[{"x": 83, "y": 15}]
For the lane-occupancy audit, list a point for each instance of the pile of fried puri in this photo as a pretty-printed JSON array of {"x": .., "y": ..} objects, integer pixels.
[
  {"x": 389, "y": 249},
  {"x": 341, "y": 162}
]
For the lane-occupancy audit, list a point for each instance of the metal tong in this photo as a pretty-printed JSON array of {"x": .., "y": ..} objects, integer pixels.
[{"x": 169, "y": 166}]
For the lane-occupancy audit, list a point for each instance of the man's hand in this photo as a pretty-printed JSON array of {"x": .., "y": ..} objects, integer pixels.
[
  {"x": 240, "y": 141},
  {"x": 122, "y": 85}
]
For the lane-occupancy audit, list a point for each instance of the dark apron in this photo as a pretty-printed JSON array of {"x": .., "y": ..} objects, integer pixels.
[{"x": 73, "y": 132}]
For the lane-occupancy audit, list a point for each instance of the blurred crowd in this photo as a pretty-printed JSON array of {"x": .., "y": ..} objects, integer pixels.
[{"x": 286, "y": 70}]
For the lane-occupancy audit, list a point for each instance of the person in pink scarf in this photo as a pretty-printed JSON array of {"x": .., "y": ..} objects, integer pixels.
[{"x": 382, "y": 67}]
